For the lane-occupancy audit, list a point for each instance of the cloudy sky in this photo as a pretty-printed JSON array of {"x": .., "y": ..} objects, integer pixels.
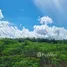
[{"x": 33, "y": 18}]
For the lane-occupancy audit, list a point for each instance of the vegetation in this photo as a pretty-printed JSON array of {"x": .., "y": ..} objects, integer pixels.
[{"x": 33, "y": 53}]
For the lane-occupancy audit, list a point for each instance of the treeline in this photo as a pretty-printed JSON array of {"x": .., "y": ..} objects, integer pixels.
[{"x": 39, "y": 40}]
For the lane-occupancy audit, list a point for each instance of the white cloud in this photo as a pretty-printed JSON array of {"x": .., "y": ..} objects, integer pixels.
[
  {"x": 9, "y": 31},
  {"x": 46, "y": 20},
  {"x": 42, "y": 4},
  {"x": 40, "y": 31},
  {"x": 1, "y": 15},
  {"x": 51, "y": 32},
  {"x": 46, "y": 4}
]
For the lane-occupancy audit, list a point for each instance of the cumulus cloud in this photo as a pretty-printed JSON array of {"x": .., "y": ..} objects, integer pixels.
[
  {"x": 9, "y": 31},
  {"x": 40, "y": 31},
  {"x": 46, "y": 20},
  {"x": 1, "y": 15},
  {"x": 48, "y": 32},
  {"x": 51, "y": 32}
]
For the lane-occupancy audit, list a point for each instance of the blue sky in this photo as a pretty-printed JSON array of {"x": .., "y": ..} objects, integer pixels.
[{"x": 26, "y": 12}]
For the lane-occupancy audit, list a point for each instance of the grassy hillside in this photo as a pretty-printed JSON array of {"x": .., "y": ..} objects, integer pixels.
[{"x": 33, "y": 53}]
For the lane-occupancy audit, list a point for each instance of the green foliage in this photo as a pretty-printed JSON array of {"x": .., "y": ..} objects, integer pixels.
[{"x": 23, "y": 52}]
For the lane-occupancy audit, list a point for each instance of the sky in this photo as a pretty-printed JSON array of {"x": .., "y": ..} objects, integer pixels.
[
  {"x": 20, "y": 12},
  {"x": 42, "y": 18}
]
